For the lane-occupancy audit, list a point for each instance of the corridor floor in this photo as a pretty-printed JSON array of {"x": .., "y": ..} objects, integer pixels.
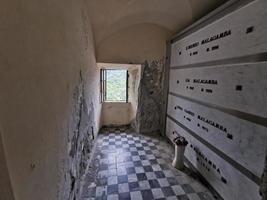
[{"x": 127, "y": 165}]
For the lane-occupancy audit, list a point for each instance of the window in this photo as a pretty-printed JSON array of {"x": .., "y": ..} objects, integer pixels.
[{"x": 114, "y": 85}]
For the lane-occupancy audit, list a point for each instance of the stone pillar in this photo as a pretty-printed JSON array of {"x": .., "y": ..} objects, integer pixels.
[{"x": 149, "y": 111}]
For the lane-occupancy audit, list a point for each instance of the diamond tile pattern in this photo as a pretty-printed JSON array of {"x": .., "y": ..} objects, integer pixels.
[{"x": 131, "y": 166}]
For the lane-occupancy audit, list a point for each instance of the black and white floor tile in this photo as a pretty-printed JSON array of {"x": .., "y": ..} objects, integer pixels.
[{"x": 134, "y": 166}]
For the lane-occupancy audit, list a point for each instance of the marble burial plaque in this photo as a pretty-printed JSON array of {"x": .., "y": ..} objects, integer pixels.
[
  {"x": 241, "y": 87},
  {"x": 241, "y": 140},
  {"x": 223, "y": 177},
  {"x": 238, "y": 34}
]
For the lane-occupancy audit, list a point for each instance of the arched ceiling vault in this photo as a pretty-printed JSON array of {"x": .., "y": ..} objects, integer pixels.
[{"x": 126, "y": 30}]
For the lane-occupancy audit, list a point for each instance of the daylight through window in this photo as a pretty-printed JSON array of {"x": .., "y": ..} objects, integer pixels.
[{"x": 114, "y": 85}]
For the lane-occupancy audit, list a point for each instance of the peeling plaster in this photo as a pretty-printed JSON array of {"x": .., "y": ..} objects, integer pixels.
[{"x": 81, "y": 140}]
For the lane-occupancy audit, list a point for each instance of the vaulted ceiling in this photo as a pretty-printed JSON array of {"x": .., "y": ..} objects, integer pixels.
[{"x": 131, "y": 31}]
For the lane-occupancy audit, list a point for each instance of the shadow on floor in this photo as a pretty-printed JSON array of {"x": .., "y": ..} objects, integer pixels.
[{"x": 128, "y": 165}]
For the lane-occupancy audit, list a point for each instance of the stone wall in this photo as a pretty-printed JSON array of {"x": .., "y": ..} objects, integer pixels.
[
  {"x": 133, "y": 81},
  {"x": 149, "y": 110},
  {"x": 263, "y": 189}
]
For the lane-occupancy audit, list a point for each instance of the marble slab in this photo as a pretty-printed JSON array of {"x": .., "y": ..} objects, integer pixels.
[
  {"x": 241, "y": 140},
  {"x": 224, "y": 178},
  {"x": 241, "y": 87},
  {"x": 238, "y": 34}
]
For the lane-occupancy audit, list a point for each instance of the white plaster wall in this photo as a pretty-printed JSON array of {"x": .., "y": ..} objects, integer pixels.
[
  {"x": 135, "y": 31},
  {"x": 44, "y": 46},
  {"x": 133, "y": 44},
  {"x": 115, "y": 113}
]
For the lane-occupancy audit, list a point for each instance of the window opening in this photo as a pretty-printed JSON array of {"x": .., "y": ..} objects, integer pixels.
[{"x": 114, "y": 85}]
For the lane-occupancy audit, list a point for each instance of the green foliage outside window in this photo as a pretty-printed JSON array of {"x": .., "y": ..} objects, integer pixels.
[{"x": 116, "y": 85}]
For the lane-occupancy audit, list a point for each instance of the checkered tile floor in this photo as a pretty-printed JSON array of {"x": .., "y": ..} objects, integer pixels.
[{"x": 134, "y": 166}]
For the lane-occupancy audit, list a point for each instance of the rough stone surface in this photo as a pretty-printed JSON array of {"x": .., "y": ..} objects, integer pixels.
[
  {"x": 263, "y": 188},
  {"x": 80, "y": 140},
  {"x": 150, "y": 97}
]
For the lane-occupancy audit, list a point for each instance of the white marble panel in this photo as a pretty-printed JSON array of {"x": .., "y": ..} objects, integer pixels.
[
  {"x": 241, "y": 140},
  {"x": 236, "y": 185},
  {"x": 236, "y": 43},
  {"x": 241, "y": 87}
]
